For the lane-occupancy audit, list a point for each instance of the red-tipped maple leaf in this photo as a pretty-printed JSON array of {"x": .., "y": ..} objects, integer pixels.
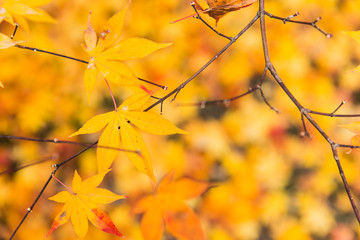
[
  {"x": 167, "y": 209},
  {"x": 109, "y": 51},
  {"x": 81, "y": 206},
  {"x": 218, "y": 8}
]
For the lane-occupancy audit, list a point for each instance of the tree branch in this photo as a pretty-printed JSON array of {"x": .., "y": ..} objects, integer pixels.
[{"x": 305, "y": 112}]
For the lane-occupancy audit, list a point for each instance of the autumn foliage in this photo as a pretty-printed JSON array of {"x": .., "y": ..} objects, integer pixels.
[{"x": 151, "y": 130}]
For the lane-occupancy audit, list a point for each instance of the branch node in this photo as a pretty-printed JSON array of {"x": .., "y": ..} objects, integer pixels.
[
  {"x": 29, "y": 210},
  {"x": 305, "y": 133},
  {"x": 227, "y": 102},
  {"x": 338, "y": 107},
  {"x": 316, "y": 20},
  {"x": 290, "y": 17}
]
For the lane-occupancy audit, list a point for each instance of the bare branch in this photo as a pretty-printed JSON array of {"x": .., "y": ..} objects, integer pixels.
[
  {"x": 305, "y": 112},
  {"x": 288, "y": 19},
  {"x": 182, "y": 85}
]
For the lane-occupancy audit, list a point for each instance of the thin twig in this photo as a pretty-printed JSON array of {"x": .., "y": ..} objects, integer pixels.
[
  {"x": 51, "y": 53},
  {"x": 288, "y": 19},
  {"x": 56, "y": 166},
  {"x": 182, "y": 85},
  {"x": 45, "y": 159},
  {"x": 227, "y": 101},
  {"x": 155, "y": 84},
  {"x": 55, "y": 140},
  {"x": 192, "y": 4},
  {"x": 16, "y": 28}
]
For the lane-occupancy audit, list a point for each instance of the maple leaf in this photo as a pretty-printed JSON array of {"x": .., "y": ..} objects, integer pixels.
[
  {"x": 81, "y": 206},
  {"x": 108, "y": 53},
  {"x": 6, "y": 42},
  {"x": 119, "y": 124},
  {"x": 17, "y": 11},
  {"x": 219, "y": 8},
  {"x": 166, "y": 209},
  {"x": 355, "y": 35}
]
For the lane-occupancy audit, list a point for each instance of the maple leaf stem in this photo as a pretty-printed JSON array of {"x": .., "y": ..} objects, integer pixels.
[
  {"x": 192, "y": 15},
  {"x": 51, "y": 53},
  {"x": 69, "y": 189},
  {"x": 112, "y": 95}
]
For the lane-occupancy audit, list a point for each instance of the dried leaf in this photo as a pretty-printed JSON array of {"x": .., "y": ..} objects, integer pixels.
[{"x": 219, "y": 8}]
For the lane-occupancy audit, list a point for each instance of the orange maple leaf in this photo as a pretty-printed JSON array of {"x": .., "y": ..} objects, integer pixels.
[
  {"x": 119, "y": 124},
  {"x": 219, "y": 8},
  {"x": 167, "y": 209},
  {"x": 80, "y": 206},
  {"x": 16, "y": 11},
  {"x": 108, "y": 53}
]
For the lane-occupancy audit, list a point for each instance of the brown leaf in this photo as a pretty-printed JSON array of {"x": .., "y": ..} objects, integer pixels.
[{"x": 218, "y": 8}]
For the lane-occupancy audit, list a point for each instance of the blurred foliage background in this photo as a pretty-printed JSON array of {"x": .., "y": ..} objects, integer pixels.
[{"x": 269, "y": 183}]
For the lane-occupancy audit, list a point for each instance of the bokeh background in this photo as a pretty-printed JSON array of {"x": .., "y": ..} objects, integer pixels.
[{"x": 269, "y": 183}]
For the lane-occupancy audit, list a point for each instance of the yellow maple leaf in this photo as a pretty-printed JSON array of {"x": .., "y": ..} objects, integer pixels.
[
  {"x": 109, "y": 51},
  {"x": 17, "y": 11},
  {"x": 6, "y": 42},
  {"x": 166, "y": 209},
  {"x": 80, "y": 204},
  {"x": 119, "y": 124}
]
